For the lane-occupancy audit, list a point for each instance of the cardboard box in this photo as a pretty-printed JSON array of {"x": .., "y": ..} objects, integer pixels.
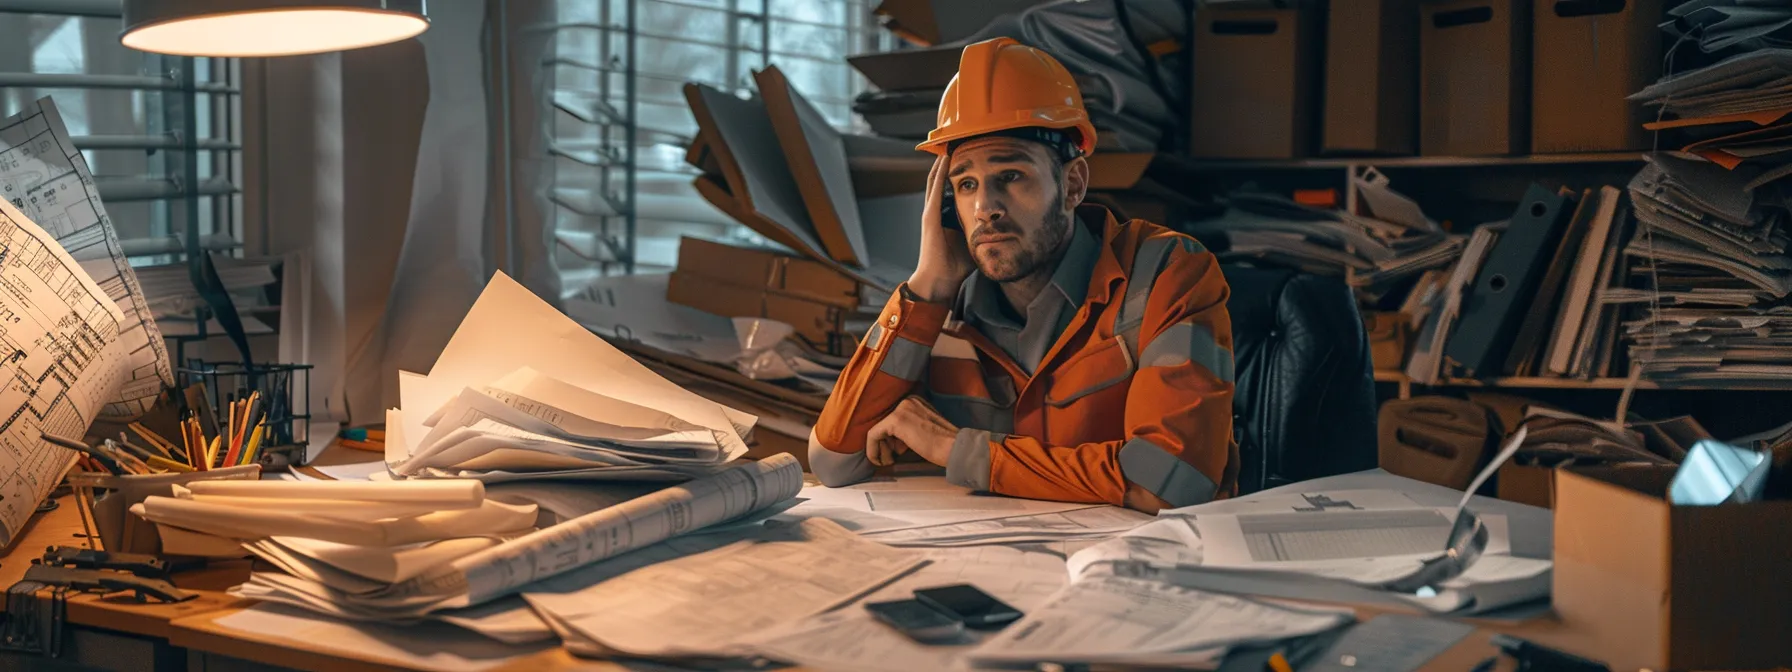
[
  {"x": 819, "y": 323},
  {"x": 1474, "y": 85},
  {"x": 1372, "y": 79},
  {"x": 1255, "y": 75},
  {"x": 1587, "y": 56},
  {"x": 1388, "y": 334},
  {"x": 1656, "y": 586},
  {"x": 1526, "y": 485},
  {"x": 781, "y": 273}
]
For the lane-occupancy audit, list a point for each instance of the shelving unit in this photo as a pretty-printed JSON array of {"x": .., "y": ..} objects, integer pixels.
[
  {"x": 1543, "y": 383},
  {"x": 1214, "y": 165}
]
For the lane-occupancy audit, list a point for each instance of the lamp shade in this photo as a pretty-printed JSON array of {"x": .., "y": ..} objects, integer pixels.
[{"x": 238, "y": 28}]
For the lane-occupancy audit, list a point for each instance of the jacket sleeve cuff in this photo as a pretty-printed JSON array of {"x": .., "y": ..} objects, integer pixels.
[
  {"x": 915, "y": 320},
  {"x": 968, "y": 465}
]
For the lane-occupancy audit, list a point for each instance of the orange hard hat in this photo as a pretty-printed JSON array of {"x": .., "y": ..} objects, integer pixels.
[{"x": 1003, "y": 85}]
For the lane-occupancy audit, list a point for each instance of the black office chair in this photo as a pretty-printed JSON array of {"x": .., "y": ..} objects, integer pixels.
[{"x": 1305, "y": 402}]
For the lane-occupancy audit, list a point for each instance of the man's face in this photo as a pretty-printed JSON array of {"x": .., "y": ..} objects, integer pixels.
[{"x": 1012, "y": 205}]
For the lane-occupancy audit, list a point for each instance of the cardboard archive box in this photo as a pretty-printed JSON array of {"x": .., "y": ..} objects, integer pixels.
[
  {"x": 1372, "y": 79},
  {"x": 1587, "y": 56},
  {"x": 1255, "y": 83},
  {"x": 1649, "y": 585},
  {"x": 1474, "y": 82}
]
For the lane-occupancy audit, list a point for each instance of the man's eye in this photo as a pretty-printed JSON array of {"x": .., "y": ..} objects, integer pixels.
[
  {"x": 1011, "y": 176},
  {"x": 967, "y": 185}
]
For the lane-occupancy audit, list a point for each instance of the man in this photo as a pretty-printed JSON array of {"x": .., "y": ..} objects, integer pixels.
[{"x": 1042, "y": 349}]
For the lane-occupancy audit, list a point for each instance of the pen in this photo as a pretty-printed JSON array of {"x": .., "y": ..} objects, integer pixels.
[{"x": 104, "y": 460}]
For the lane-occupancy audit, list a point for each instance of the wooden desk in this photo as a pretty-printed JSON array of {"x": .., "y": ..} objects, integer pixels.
[
  {"x": 113, "y": 632},
  {"x": 118, "y": 633}
]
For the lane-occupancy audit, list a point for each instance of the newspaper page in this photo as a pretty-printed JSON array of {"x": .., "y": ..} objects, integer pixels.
[
  {"x": 45, "y": 177},
  {"x": 500, "y": 570},
  {"x": 707, "y": 604},
  {"x": 1117, "y": 620},
  {"x": 63, "y": 361}
]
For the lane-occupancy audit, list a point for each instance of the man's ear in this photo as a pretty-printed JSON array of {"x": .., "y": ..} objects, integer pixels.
[{"x": 1076, "y": 182}]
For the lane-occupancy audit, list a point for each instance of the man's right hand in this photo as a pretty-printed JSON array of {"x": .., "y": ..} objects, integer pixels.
[{"x": 945, "y": 260}]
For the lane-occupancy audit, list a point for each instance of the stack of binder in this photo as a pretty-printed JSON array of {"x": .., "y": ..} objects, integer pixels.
[{"x": 1534, "y": 295}]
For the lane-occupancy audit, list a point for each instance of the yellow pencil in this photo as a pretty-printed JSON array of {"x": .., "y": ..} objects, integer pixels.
[
  {"x": 211, "y": 452},
  {"x": 249, "y": 451},
  {"x": 169, "y": 465}
]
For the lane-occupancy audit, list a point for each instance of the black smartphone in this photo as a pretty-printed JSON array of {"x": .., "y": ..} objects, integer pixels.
[
  {"x": 949, "y": 210},
  {"x": 976, "y": 608},
  {"x": 916, "y": 620}
]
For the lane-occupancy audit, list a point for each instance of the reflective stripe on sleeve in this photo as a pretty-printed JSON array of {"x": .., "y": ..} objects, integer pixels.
[
  {"x": 906, "y": 359},
  {"x": 1165, "y": 475},
  {"x": 1186, "y": 342}
]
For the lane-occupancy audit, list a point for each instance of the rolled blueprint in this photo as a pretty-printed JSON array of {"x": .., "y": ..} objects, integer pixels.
[{"x": 733, "y": 493}]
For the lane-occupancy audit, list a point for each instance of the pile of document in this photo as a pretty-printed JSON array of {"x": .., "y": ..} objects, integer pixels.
[
  {"x": 1132, "y": 96},
  {"x": 1717, "y": 25},
  {"x": 522, "y": 392},
  {"x": 1556, "y": 438},
  {"x": 1712, "y": 264},
  {"x": 1729, "y": 112},
  {"x": 369, "y": 551},
  {"x": 1391, "y": 240}
]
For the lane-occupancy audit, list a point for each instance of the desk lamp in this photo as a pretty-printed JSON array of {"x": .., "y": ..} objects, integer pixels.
[{"x": 238, "y": 28}]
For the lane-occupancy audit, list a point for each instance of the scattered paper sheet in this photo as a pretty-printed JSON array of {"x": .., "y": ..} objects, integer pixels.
[
  {"x": 849, "y": 638},
  {"x": 1086, "y": 523},
  {"x": 47, "y": 178},
  {"x": 707, "y": 604},
  {"x": 1110, "y": 619}
]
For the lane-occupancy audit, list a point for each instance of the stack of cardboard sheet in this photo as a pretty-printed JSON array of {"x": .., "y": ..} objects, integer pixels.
[{"x": 1713, "y": 275}]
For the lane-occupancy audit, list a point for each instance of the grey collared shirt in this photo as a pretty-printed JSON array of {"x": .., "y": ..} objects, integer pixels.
[{"x": 982, "y": 306}]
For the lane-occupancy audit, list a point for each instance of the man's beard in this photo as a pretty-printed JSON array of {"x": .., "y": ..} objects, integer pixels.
[{"x": 1034, "y": 254}]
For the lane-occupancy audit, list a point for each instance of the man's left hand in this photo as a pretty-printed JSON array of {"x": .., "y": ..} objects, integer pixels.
[{"x": 912, "y": 425}]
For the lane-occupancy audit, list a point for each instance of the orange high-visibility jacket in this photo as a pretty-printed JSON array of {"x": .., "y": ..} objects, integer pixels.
[{"x": 1137, "y": 389}]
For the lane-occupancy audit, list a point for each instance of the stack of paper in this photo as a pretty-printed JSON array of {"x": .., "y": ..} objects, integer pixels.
[
  {"x": 1712, "y": 260},
  {"x": 1717, "y": 25},
  {"x": 388, "y": 576},
  {"x": 1391, "y": 241},
  {"x": 1729, "y": 112},
  {"x": 367, "y": 529},
  {"x": 523, "y": 392}
]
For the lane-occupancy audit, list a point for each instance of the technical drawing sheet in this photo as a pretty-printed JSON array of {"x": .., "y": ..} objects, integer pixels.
[
  {"x": 43, "y": 175},
  {"x": 60, "y": 361}
]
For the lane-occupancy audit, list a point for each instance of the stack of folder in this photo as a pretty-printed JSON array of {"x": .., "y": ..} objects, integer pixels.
[{"x": 1713, "y": 275}]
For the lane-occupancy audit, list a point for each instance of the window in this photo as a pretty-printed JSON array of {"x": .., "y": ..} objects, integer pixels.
[
  {"x": 714, "y": 42},
  {"x": 128, "y": 112}
]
